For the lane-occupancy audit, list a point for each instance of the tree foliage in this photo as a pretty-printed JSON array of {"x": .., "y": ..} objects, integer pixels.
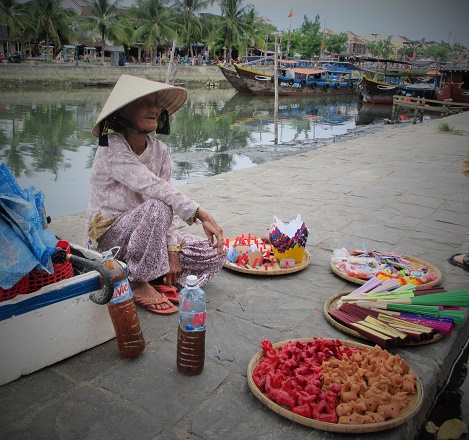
[
  {"x": 307, "y": 39},
  {"x": 192, "y": 25},
  {"x": 381, "y": 48},
  {"x": 237, "y": 24},
  {"x": 51, "y": 20},
  {"x": 439, "y": 52},
  {"x": 155, "y": 24},
  {"x": 105, "y": 21},
  {"x": 336, "y": 43},
  {"x": 13, "y": 16}
]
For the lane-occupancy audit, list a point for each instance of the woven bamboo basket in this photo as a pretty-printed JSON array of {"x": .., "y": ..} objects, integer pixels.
[
  {"x": 333, "y": 304},
  {"x": 415, "y": 263},
  {"x": 412, "y": 408},
  {"x": 273, "y": 269}
]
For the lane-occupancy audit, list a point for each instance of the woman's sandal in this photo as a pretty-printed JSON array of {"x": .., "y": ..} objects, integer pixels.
[
  {"x": 170, "y": 292},
  {"x": 465, "y": 261},
  {"x": 147, "y": 304}
]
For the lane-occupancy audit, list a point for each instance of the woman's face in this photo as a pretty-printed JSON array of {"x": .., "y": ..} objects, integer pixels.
[{"x": 143, "y": 113}]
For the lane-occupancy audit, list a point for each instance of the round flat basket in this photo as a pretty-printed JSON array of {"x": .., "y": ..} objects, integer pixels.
[
  {"x": 333, "y": 304},
  {"x": 269, "y": 269},
  {"x": 415, "y": 263},
  {"x": 412, "y": 407}
]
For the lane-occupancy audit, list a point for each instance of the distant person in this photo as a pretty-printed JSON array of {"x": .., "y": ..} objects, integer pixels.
[
  {"x": 133, "y": 203},
  {"x": 462, "y": 260}
]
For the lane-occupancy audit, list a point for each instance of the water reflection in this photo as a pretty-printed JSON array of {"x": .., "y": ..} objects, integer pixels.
[
  {"x": 299, "y": 118},
  {"x": 369, "y": 112},
  {"x": 46, "y": 140}
]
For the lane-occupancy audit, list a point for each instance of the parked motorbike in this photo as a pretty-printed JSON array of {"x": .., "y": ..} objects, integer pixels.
[{"x": 15, "y": 57}]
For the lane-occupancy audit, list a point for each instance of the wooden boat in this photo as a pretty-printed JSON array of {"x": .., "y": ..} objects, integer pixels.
[
  {"x": 234, "y": 79},
  {"x": 377, "y": 92},
  {"x": 297, "y": 82},
  {"x": 453, "y": 91},
  {"x": 398, "y": 83}
]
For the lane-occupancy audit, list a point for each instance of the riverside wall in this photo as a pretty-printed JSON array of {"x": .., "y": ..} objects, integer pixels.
[{"x": 38, "y": 74}]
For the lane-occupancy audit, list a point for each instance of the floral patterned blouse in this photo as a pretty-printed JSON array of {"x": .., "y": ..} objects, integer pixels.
[{"x": 121, "y": 180}]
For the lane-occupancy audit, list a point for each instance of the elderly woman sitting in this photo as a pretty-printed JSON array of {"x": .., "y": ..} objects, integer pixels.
[{"x": 133, "y": 203}]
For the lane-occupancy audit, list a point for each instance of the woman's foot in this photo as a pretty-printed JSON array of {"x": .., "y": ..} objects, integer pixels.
[
  {"x": 152, "y": 300},
  {"x": 460, "y": 260}
]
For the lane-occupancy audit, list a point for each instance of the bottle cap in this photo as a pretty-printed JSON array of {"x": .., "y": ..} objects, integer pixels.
[
  {"x": 107, "y": 255},
  {"x": 191, "y": 280}
]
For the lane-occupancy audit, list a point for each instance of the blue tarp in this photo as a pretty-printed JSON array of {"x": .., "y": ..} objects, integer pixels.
[{"x": 26, "y": 242}]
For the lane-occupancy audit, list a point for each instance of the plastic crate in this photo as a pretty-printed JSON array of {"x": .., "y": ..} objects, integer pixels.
[
  {"x": 38, "y": 279},
  {"x": 21, "y": 287}
]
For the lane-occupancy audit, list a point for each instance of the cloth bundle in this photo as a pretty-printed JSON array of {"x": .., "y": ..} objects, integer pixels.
[{"x": 26, "y": 241}]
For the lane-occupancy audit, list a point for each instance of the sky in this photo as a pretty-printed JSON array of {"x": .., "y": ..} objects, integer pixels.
[{"x": 435, "y": 20}]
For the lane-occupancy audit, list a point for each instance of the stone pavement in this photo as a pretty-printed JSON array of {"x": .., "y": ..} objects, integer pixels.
[{"x": 400, "y": 191}]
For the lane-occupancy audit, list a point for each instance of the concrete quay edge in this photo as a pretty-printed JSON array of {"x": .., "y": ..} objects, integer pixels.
[
  {"x": 399, "y": 191},
  {"x": 67, "y": 75}
]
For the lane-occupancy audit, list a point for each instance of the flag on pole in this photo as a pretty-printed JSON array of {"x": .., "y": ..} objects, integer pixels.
[
  {"x": 450, "y": 33},
  {"x": 290, "y": 15}
]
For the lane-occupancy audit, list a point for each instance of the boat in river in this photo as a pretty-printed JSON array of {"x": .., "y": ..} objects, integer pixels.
[
  {"x": 398, "y": 83},
  {"x": 453, "y": 91},
  {"x": 298, "y": 81},
  {"x": 233, "y": 78}
]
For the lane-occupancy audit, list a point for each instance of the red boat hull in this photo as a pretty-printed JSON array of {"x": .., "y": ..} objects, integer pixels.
[{"x": 453, "y": 91}]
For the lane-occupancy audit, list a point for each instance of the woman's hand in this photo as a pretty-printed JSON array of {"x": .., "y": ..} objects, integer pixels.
[
  {"x": 175, "y": 269},
  {"x": 213, "y": 232}
]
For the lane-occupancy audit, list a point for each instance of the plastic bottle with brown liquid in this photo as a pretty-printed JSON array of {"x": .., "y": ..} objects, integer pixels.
[
  {"x": 191, "y": 328},
  {"x": 122, "y": 310}
]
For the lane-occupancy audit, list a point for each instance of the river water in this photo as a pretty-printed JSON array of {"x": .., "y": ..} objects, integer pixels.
[{"x": 46, "y": 141}]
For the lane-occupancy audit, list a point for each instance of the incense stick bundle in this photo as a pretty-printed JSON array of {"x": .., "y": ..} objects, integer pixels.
[
  {"x": 377, "y": 337},
  {"x": 369, "y": 319},
  {"x": 413, "y": 316},
  {"x": 456, "y": 298},
  {"x": 369, "y": 285},
  {"x": 401, "y": 329},
  {"x": 385, "y": 286},
  {"x": 443, "y": 326},
  {"x": 457, "y": 315},
  {"x": 425, "y": 290},
  {"x": 417, "y": 332}
]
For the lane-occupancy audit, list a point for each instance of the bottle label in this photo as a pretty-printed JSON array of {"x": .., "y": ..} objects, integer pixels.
[
  {"x": 122, "y": 291},
  {"x": 199, "y": 319},
  {"x": 193, "y": 321}
]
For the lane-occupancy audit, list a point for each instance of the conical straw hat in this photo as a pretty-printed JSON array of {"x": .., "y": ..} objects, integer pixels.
[{"x": 128, "y": 88}]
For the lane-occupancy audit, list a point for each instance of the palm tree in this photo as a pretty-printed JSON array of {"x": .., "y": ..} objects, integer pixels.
[
  {"x": 13, "y": 17},
  {"x": 410, "y": 49},
  {"x": 105, "y": 20},
  {"x": 155, "y": 23},
  {"x": 236, "y": 22},
  {"x": 50, "y": 19},
  {"x": 191, "y": 24}
]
